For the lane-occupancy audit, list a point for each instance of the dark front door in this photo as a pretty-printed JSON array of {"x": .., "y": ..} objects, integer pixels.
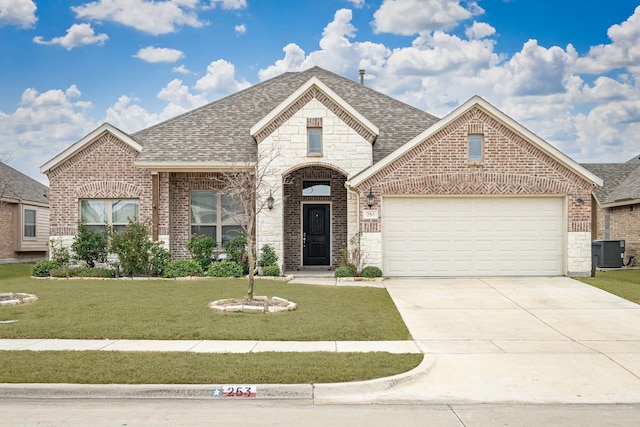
[{"x": 316, "y": 235}]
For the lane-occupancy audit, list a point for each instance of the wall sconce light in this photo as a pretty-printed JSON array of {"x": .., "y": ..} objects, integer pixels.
[
  {"x": 270, "y": 201},
  {"x": 580, "y": 201},
  {"x": 370, "y": 199}
]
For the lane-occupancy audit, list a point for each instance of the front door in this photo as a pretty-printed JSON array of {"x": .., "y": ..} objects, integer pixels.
[{"x": 316, "y": 234}]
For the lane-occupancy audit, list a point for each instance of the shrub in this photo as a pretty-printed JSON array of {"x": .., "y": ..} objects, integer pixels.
[
  {"x": 107, "y": 273},
  {"x": 182, "y": 268},
  {"x": 225, "y": 269},
  {"x": 59, "y": 253},
  {"x": 201, "y": 247},
  {"x": 371, "y": 272},
  {"x": 64, "y": 272},
  {"x": 267, "y": 256},
  {"x": 236, "y": 250},
  {"x": 133, "y": 247},
  {"x": 271, "y": 270},
  {"x": 344, "y": 271},
  {"x": 159, "y": 259},
  {"x": 43, "y": 268},
  {"x": 90, "y": 246}
]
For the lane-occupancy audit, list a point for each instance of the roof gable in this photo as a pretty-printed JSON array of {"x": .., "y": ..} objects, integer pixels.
[
  {"x": 478, "y": 102},
  {"x": 314, "y": 88},
  {"x": 17, "y": 187},
  {"x": 88, "y": 140},
  {"x": 621, "y": 183}
]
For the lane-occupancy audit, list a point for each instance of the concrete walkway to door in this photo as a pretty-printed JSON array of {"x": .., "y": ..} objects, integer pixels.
[{"x": 518, "y": 340}]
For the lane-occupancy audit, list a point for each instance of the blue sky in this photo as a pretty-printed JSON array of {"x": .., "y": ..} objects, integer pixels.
[{"x": 568, "y": 72}]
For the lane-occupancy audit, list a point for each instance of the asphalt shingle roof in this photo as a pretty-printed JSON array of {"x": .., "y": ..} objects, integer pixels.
[
  {"x": 16, "y": 185},
  {"x": 621, "y": 180},
  {"x": 219, "y": 131}
]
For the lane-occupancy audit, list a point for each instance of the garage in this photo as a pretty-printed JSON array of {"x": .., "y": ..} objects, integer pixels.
[{"x": 473, "y": 236}]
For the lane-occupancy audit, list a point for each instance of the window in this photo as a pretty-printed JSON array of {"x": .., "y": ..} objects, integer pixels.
[
  {"x": 213, "y": 214},
  {"x": 316, "y": 188},
  {"x": 29, "y": 223},
  {"x": 475, "y": 148},
  {"x": 98, "y": 213},
  {"x": 314, "y": 141}
]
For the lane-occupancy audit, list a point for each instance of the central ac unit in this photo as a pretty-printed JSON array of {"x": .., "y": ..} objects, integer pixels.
[{"x": 608, "y": 253}]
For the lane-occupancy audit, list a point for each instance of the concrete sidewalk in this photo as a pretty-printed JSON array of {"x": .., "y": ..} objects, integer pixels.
[
  {"x": 486, "y": 340},
  {"x": 208, "y": 346}
]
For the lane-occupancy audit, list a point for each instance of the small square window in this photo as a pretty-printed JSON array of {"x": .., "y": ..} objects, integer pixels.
[
  {"x": 314, "y": 143},
  {"x": 475, "y": 148}
]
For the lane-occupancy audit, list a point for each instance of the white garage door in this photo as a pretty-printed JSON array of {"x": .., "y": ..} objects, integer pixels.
[{"x": 472, "y": 236}]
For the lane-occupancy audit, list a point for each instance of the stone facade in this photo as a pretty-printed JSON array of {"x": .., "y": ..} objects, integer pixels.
[{"x": 346, "y": 151}]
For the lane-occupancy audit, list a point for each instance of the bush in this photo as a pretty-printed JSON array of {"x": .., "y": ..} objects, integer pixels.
[
  {"x": 271, "y": 270},
  {"x": 182, "y": 268},
  {"x": 236, "y": 250},
  {"x": 159, "y": 259},
  {"x": 201, "y": 247},
  {"x": 344, "y": 271},
  {"x": 90, "y": 246},
  {"x": 267, "y": 256},
  {"x": 371, "y": 272},
  {"x": 59, "y": 253},
  {"x": 64, "y": 272},
  {"x": 137, "y": 254},
  {"x": 107, "y": 273},
  {"x": 225, "y": 269},
  {"x": 43, "y": 268}
]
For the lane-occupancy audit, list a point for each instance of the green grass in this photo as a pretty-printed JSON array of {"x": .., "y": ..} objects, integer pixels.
[
  {"x": 93, "y": 367},
  {"x": 175, "y": 310},
  {"x": 169, "y": 309},
  {"x": 624, "y": 283}
]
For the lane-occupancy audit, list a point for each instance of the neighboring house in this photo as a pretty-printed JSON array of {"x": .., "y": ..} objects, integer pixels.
[
  {"x": 474, "y": 193},
  {"x": 617, "y": 212},
  {"x": 24, "y": 217}
]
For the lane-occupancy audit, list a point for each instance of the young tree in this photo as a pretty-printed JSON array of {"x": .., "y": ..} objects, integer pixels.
[{"x": 247, "y": 187}]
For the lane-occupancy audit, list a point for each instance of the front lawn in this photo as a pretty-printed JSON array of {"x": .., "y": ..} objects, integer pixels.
[
  {"x": 179, "y": 309},
  {"x": 624, "y": 283}
]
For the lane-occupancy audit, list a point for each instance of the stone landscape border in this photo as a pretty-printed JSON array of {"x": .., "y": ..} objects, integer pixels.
[{"x": 9, "y": 298}]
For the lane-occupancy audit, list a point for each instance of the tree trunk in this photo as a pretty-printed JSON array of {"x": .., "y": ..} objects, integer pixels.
[{"x": 252, "y": 267}]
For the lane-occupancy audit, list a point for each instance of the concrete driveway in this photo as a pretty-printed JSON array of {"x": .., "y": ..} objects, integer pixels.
[{"x": 519, "y": 340}]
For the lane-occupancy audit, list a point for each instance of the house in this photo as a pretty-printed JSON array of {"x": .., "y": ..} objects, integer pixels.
[
  {"x": 617, "y": 204},
  {"x": 24, "y": 217},
  {"x": 473, "y": 193}
]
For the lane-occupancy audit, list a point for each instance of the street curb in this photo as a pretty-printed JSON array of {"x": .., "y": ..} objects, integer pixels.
[{"x": 352, "y": 391}]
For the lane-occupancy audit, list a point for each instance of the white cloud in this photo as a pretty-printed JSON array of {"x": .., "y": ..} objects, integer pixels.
[
  {"x": 229, "y": 4},
  {"x": 240, "y": 29},
  {"x": 541, "y": 87},
  {"x": 159, "y": 54},
  {"x": 409, "y": 17},
  {"x": 128, "y": 116},
  {"x": 179, "y": 99},
  {"x": 220, "y": 79},
  {"x": 20, "y": 13},
  {"x": 42, "y": 126},
  {"x": 359, "y": 4},
  {"x": 181, "y": 69},
  {"x": 153, "y": 17},
  {"x": 622, "y": 52},
  {"x": 77, "y": 35},
  {"x": 479, "y": 30}
]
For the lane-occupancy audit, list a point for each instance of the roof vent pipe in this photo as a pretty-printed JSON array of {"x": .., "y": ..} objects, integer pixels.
[{"x": 362, "y": 76}]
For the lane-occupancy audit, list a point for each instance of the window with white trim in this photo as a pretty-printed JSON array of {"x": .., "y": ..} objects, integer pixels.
[
  {"x": 475, "y": 143},
  {"x": 98, "y": 213},
  {"x": 314, "y": 141},
  {"x": 216, "y": 215},
  {"x": 29, "y": 223}
]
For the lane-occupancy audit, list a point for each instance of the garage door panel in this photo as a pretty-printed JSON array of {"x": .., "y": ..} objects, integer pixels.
[{"x": 473, "y": 236}]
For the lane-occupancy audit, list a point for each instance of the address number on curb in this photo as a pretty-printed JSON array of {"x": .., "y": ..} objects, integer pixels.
[{"x": 235, "y": 391}]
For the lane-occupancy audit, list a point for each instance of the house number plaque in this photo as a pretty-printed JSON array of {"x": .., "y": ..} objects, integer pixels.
[
  {"x": 370, "y": 214},
  {"x": 235, "y": 391}
]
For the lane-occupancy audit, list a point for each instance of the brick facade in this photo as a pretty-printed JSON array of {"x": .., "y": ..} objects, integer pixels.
[
  {"x": 292, "y": 204},
  {"x": 624, "y": 224},
  {"x": 510, "y": 166},
  {"x": 102, "y": 170}
]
